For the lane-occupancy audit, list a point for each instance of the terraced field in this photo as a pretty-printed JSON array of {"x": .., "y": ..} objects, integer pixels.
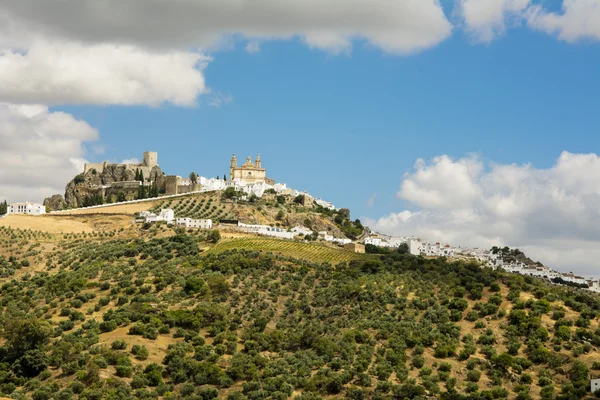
[
  {"x": 207, "y": 206},
  {"x": 305, "y": 251}
]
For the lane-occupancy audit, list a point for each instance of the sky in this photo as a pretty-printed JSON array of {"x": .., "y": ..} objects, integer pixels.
[{"x": 471, "y": 122}]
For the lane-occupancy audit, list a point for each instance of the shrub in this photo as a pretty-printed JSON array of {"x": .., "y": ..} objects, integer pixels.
[
  {"x": 119, "y": 344},
  {"x": 139, "y": 351}
]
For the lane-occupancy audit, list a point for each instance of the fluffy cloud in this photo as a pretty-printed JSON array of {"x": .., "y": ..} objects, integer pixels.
[
  {"x": 486, "y": 19},
  {"x": 70, "y": 73},
  {"x": 40, "y": 151},
  {"x": 394, "y": 26},
  {"x": 552, "y": 214},
  {"x": 580, "y": 19}
]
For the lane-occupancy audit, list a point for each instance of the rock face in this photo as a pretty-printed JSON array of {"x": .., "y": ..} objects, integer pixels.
[
  {"x": 55, "y": 203},
  {"x": 92, "y": 183}
]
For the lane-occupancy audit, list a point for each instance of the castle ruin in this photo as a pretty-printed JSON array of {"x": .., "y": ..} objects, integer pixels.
[{"x": 150, "y": 161}]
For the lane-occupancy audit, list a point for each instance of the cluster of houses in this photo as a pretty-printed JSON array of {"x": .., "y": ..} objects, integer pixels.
[
  {"x": 167, "y": 216},
  {"x": 257, "y": 189},
  {"x": 486, "y": 257}
]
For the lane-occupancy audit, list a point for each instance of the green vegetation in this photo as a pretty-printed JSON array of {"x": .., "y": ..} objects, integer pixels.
[
  {"x": 100, "y": 316},
  {"x": 3, "y": 207},
  {"x": 307, "y": 251}
]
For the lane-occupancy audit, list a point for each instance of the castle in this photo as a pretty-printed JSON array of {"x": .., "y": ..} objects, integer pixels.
[
  {"x": 248, "y": 173},
  {"x": 150, "y": 161}
]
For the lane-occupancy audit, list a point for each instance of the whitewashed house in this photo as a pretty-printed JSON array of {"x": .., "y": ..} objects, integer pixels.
[
  {"x": 166, "y": 215},
  {"x": 27, "y": 208},
  {"x": 595, "y": 385},
  {"x": 301, "y": 230},
  {"x": 325, "y": 204},
  {"x": 194, "y": 223},
  {"x": 373, "y": 240}
]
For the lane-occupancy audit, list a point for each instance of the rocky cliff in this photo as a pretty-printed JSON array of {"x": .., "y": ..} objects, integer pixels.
[
  {"x": 55, "y": 203},
  {"x": 94, "y": 183}
]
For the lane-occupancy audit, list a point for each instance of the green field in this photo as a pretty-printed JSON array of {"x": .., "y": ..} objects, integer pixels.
[{"x": 304, "y": 251}]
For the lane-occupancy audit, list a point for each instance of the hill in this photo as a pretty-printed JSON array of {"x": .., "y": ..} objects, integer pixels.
[
  {"x": 284, "y": 211},
  {"x": 161, "y": 313}
]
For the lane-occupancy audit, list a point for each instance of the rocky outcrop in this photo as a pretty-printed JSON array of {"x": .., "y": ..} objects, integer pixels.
[
  {"x": 93, "y": 182},
  {"x": 55, "y": 203}
]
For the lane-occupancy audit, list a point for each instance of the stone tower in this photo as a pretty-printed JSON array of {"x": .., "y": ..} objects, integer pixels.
[
  {"x": 257, "y": 164},
  {"x": 232, "y": 166},
  {"x": 150, "y": 159}
]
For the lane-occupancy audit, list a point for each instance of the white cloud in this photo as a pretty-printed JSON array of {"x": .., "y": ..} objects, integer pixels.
[
  {"x": 253, "y": 47},
  {"x": 371, "y": 200},
  {"x": 70, "y": 73},
  {"x": 130, "y": 161},
  {"x": 220, "y": 99},
  {"x": 580, "y": 19},
  {"x": 552, "y": 214},
  {"x": 394, "y": 26},
  {"x": 487, "y": 19},
  {"x": 40, "y": 152}
]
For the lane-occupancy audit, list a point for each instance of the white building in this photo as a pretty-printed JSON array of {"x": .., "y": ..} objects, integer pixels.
[
  {"x": 27, "y": 208},
  {"x": 414, "y": 246},
  {"x": 325, "y": 204},
  {"x": 194, "y": 223},
  {"x": 166, "y": 215},
  {"x": 374, "y": 241},
  {"x": 595, "y": 385},
  {"x": 329, "y": 238},
  {"x": 302, "y": 230},
  {"x": 267, "y": 230}
]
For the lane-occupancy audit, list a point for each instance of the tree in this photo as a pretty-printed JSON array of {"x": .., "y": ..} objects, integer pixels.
[
  {"x": 79, "y": 179},
  {"x": 194, "y": 178},
  {"x": 121, "y": 197},
  {"x": 24, "y": 334},
  {"x": 224, "y": 177},
  {"x": 280, "y": 215},
  {"x": 213, "y": 236},
  {"x": 3, "y": 208}
]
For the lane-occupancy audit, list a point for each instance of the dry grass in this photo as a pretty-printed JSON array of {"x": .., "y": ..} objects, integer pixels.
[
  {"x": 157, "y": 349},
  {"x": 46, "y": 223},
  {"x": 126, "y": 209}
]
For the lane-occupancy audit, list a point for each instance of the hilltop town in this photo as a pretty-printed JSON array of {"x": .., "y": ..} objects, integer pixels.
[{"x": 102, "y": 185}]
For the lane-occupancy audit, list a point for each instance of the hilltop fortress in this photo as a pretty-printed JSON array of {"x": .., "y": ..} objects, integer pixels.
[
  {"x": 105, "y": 182},
  {"x": 150, "y": 161}
]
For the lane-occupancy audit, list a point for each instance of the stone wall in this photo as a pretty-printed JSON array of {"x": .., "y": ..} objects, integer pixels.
[{"x": 173, "y": 185}]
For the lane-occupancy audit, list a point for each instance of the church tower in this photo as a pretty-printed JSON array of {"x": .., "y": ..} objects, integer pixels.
[
  {"x": 232, "y": 166},
  {"x": 258, "y": 162}
]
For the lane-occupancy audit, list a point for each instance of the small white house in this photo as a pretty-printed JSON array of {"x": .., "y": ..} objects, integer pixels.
[
  {"x": 27, "y": 208},
  {"x": 194, "y": 223},
  {"x": 167, "y": 215},
  {"x": 595, "y": 385},
  {"x": 373, "y": 240},
  {"x": 414, "y": 246},
  {"x": 301, "y": 230}
]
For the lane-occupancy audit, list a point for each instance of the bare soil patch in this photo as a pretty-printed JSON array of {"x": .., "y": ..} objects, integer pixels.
[{"x": 45, "y": 223}]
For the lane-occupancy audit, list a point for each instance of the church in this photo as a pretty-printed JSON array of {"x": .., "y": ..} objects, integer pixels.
[{"x": 249, "y": 172}]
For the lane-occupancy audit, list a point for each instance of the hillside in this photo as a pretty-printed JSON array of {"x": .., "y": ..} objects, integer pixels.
[
  {"x": 164, "y": 314},
  {"x": 270, "y": 210}
]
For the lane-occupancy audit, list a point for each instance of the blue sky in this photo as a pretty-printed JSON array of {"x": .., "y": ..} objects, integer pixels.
[
  {"x": 470, "y": 122},
  {"x": 346, "y": 126}
]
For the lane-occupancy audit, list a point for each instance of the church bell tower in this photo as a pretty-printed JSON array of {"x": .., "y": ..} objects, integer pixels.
[
  {"x": 232, "y": 166},
  {"x": 258, "y": 162}
]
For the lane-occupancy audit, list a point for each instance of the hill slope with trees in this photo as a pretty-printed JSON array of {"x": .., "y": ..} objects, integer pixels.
[{"x": 104, "y": 316}]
